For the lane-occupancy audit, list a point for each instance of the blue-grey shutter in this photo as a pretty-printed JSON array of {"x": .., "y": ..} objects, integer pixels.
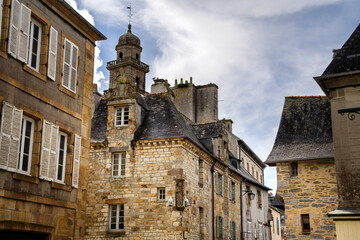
[
  {"x": 217, "y": 226},
  {"x": 217, "y": 183},
  {"x": 222, "y": 186},
  {"x": 231, "y": 231},
  {"x": 235, "y": 230},
  {"x": 230, "y": 192},
  {"x": 222, "y": 227},
  {"x": 235, "y": 192}
]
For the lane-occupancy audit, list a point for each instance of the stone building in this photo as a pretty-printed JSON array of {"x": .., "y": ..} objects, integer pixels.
[
  {"x": 341, "y": 83},
  {"x": 163, "y": 166},
  {"x": 304, "y": 159},
  {"x": 46, "y": 75}
]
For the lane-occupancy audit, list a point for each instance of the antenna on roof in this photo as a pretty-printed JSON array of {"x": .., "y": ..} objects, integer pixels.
[{"x": 130, "y": 14}]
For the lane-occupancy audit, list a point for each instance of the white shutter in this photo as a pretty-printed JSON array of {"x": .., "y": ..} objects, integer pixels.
[
  {"x": 74, "y": 64},
  {"x": 66, "y": 64},
  {"x": 14, "y": 31},
  {"x": 24, "y": 33},
  {"x": 52, "y": 53},
  {"x": 48, "y": 151},
  {"x": 76, "y": 161},
  {"x": 1, "y": 9},
  {"x": 10, "y": 136}
]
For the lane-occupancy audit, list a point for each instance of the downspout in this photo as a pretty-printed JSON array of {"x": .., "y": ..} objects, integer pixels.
[
  {"x": 241, "y": 209},
  {"x": 213, "y": 199}
]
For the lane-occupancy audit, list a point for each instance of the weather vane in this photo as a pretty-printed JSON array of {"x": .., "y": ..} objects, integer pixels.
[{"x": 129, "y": 7}]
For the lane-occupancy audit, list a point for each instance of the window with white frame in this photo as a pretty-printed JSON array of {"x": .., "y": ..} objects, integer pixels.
[
  {"x": 26, "y": 143},
  {"x": 116, "y": 217},
  {"x": 121, "y": 116},
  {"x": 161, "y": 194},
  {"x": 34, "y": 44},
  {"x": 70, "y": 65},
  {"x": 118, "y": 164},
  {"x": 61, "y": 157}
]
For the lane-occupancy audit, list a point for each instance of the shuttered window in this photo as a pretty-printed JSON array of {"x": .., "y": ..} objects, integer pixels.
[
  {"x": 260, "y": 232},
  {"x": 217, "y": 182},
  {"x": 249, "y": 231},
  {"x": 61, "y": 157},
  {"x": 19, "y": 31},
  {"x": 34, "y": 45},
  {"x": 76, "y": 161},
  {"x": 48, "y": 151},
  {"x": 70, "y": 63},
  {"x": 26, "y": 145},
  {"x": 52, "y": 53},
  {"x": 11, "y": 120}
]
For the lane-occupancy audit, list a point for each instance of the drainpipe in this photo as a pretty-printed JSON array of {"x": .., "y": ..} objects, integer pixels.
[
  {"x": 241, "y": 209},
  {"x": 213, "y": 199}
]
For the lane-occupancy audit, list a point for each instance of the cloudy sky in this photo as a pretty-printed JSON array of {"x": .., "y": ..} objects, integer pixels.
[{"x": 256, "y": 51}]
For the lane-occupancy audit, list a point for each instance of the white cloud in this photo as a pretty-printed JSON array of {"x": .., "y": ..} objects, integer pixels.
[
  {"x": 99, "y": 77},
  {"x": 83, "y": 12}
]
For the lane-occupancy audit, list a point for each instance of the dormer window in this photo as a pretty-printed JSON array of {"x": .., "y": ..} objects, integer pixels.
[{"x": 121, "y": 116}]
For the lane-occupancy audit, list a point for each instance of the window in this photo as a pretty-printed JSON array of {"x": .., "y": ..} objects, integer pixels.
[
  {"x": 219, "y": 227},
  {"x": 260, "y": 231},
  {"x": 252, "y": 171},
  {"x": 118, "y": 164},
  {"x": 305, "y": 221},
  {"x": 161, "y": 194},
  {"x": 116, "y": 222},
  {"x": 257, "y": 177},
  {"x": 26, "y": 143},
  {"x": 248, "y": 167},
  {"x": 219, "y": 184},
  {"x": 259, "y": 198},
  {"x": 201, "y": 223},
  {"x": 201, "y": 172},
  {"x": 121, "y": 116},
  {"x": 70, "y": 64},
  {"x": 247, "y": 194},
  {"x": 294, "y": 169},
  {"x": 120, "y": 55},
  {"x": 249, "y": 231},
  {"x": 233, "y": 230},
  {"x": 61, "y": 157},
  {"x": 232, "y": 191},
  {"x": 34, "y": 45},
  {"x": 277, "y": 226}
]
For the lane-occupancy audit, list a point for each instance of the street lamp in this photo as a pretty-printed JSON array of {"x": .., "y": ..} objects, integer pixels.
[{"x": 250, "y": 194}]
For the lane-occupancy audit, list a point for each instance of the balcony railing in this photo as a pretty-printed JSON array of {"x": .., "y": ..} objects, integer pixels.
[{"x": 128, "y": 60}]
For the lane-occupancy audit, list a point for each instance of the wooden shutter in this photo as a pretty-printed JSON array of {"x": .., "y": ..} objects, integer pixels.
[
  {"x": 235, "y": 192},
  {"x": 10, "y": 136},
  {"x": 66, "y": 64},
  {"x": 230, "y": 192},
  {"x": 1, "y": 9},
  {"x": 24, "y": 33},
  {"x": 217, "y": 182},
  {"x": 74, "y": 64},
  {"x": 14, "y": 30},
  {"x": 222, "y": 227},
  {"x": 235, "y": 230},
  {"x": 217, "y": 226},
  {"x": 222, "y": 185},
  {"x": 76, "y": 162},
  {"x": 52, "y": 53},
  {"x": 231, "y": 230},
  {"x": 49, "y": 141}
]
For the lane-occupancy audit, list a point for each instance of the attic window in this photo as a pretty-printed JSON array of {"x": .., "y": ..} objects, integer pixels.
[
  {"x": 294, "y": 169},
  {"x": 121, "y": 116}
]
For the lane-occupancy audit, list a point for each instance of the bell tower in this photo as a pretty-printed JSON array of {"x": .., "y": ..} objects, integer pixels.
[{"x": 127, "y": 72}]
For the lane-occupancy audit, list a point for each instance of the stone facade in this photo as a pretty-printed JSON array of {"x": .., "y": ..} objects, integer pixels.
[
  {"x": 313, "y": 191},
  {"x": 162, "y": 166},
  {"x": 42, "y": 194}
]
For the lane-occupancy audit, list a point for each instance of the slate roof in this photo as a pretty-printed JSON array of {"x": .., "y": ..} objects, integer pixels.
[
  {"x": 276, "y": 202},
  {"x": 99, "y": 122},
  {"x": 164, "y": 121},
  {"x": 304, "y": 132},
  {"x": 346, "y": 59}
]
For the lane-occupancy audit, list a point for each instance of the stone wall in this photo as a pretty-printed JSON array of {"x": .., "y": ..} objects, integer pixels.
[{"x": 313, "y": 191}]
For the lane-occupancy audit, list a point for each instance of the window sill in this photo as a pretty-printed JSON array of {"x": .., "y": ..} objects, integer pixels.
[
  {"x": 119, "y": 233},
  {"x": 27, "y": 178},
  {"x": 61, "y": 186},
  {"x": 34, "y": 72},
  {"x": 67, "y": 92},
  {"x": 306, "y": 233}
]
